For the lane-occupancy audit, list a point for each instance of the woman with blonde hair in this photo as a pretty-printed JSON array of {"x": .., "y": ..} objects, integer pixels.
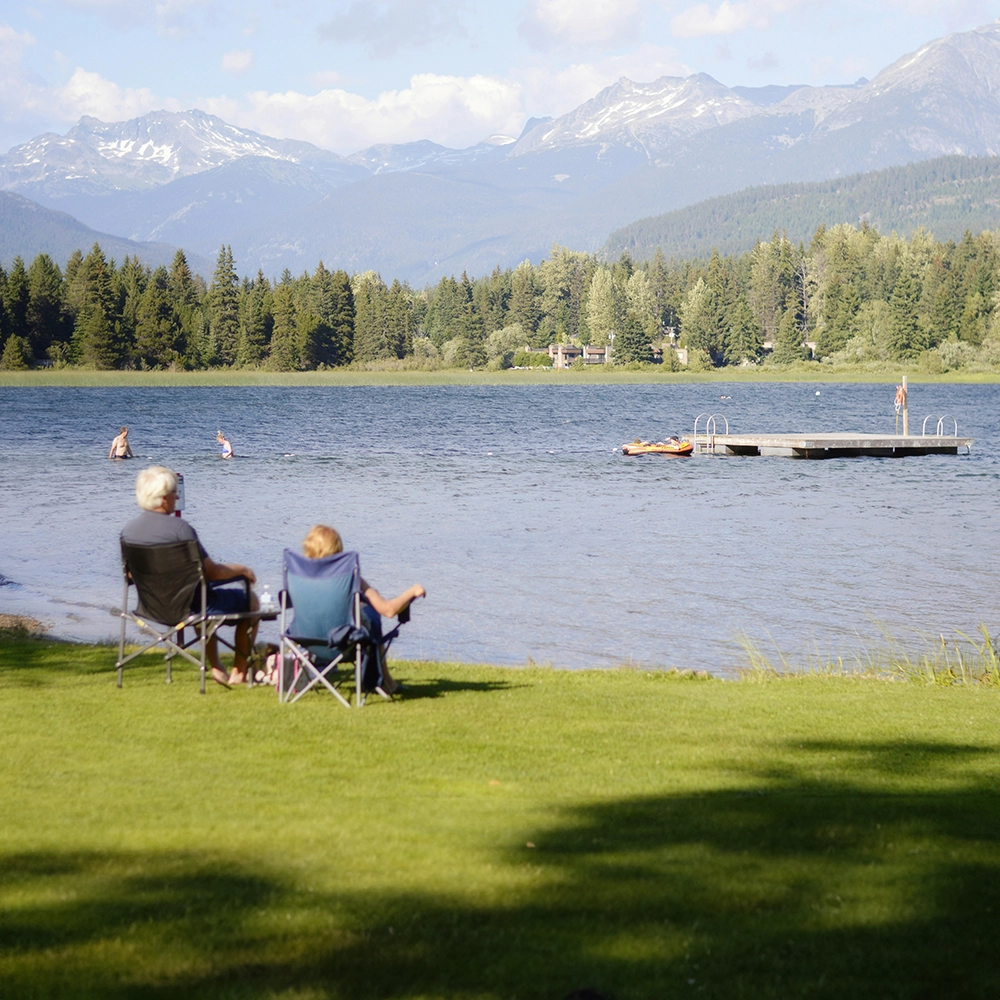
[{"x": 323, "y": 541}]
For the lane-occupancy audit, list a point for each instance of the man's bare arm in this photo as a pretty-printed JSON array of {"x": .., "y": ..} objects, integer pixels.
[{"x": 227, "y": 571}]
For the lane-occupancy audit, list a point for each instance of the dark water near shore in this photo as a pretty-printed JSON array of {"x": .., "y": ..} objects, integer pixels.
[{"x": 533, "y": 536}]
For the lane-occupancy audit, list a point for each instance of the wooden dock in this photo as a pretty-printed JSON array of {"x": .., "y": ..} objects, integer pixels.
[{"x": 829, "y": 445}]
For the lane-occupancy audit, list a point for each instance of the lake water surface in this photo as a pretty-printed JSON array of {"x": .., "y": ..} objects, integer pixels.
[{"x": 534, "y": 537}]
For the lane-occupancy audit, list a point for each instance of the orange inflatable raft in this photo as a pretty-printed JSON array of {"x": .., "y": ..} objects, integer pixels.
[{"x": 638, "y": 447}]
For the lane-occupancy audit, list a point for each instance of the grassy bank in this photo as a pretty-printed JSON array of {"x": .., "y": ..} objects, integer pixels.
[
  {"x": 68, "y": 377},
  {"x": 495, "y": 833}
]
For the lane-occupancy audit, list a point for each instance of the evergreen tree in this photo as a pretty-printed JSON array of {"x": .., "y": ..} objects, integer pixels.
[
  {"x": 399, "y": 320},
  {"x": 497, "y": 300},
  {"x": 223, "y": 309},
  {"x": 525, "y": 308},
  {"x": 632, "y": 343},
  {"x": 704, "y": 320},
  {"x": 369, "y": 316},
  {"x": 98, "y": 343},
  {"x": 974, "y": 319},
  {"x": 181, "y": 286},
  {"x": 159, "y": 340},
  {"x": 470, "y": 321},
  {"x": 46, "y": 318},
  {"x": 444, "y": 313},
  {"x": 17, "y": 297},
  {"x": 788, "y": 343},
  {"x": 383, "y": 319},
  {"x": 255, "y": 321},
  {"x": 659, "y": 282},
  {"x": 906, "y": 340},
  {"x": 744, "y": 342},
  {"x": 129, "y": 283},
  {"x": 16, "y": 354},
  {"x": 284, "y": 353},
  {"x": 95, "y": 341},
  {"x": 342, "y": 319}
]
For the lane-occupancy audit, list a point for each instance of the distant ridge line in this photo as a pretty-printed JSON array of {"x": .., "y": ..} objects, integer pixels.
[{"x": 946, "y": 196}]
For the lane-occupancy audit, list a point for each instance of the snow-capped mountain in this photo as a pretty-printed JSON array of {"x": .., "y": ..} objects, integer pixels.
[
  {"x": 650, "y": 114},
  {"x": 417, "y": 210},
  {"x": 146, "y": 152}
]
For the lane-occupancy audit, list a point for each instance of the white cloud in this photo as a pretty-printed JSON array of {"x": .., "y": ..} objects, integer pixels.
[
  {"x": 580, "y": 22},
  {"x": 23, "y": 97},
  {"x": 325, "y": 78},
  {"x": 700, "y": 20},
  {"x": 727, "y": 18},
  {"x": 452, "y": 110},
  {"x": 170, "y": 18},
  {"x": 237, "y": 62},
  {"x": 88, "y": 93},
  {"x": 386, "y": 26},
  {"x": 768, "y": 61}
]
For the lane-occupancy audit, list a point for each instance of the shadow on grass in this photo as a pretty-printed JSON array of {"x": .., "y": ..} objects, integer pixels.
[
  {"x": 438, "y": 687},
  {"x": 32, "y": 663},
  {"x": 782, "y": 887}
]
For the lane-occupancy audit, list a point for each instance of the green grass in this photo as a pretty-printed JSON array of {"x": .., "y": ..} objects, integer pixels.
[
  {"x": 495, "y": 833},
  {"x": 800, "y": 372}
]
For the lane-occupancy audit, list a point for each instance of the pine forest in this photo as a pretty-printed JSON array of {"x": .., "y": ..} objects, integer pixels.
[{"x": 852, "y": 297}]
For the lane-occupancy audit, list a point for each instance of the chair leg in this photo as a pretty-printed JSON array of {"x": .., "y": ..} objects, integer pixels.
[
  {"x": 204, "y": 644},
  {"x": 170, "y": 656},
  {"x": 121, "y": 642},
  {"x": 358, "y": 702}
]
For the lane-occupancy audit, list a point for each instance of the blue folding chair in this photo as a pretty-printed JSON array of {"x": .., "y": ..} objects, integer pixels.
[{"x": 327, "y": 629}]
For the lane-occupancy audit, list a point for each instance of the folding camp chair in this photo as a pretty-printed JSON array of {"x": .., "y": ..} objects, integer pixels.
[
  {"x": 327, "y": 630},
  {"x": 167, "y": 578}
]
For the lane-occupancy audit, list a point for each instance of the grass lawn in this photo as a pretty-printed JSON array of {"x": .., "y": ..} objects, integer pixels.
[{"x": 494, "y": 833}]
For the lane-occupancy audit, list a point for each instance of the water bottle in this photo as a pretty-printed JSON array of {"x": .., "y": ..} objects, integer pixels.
[{"x": 266, "y": 600}]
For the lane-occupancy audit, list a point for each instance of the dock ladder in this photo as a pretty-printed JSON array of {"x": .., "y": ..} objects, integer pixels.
[
  {"x": 940, "y": 424},
  {"x": 706, "y": 444}
]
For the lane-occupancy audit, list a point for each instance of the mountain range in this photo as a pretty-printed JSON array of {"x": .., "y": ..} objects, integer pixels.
[{"x": 420, "y": 210}]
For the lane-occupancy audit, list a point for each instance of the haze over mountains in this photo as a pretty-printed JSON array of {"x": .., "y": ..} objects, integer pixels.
[{"x": 419, "y": 210}]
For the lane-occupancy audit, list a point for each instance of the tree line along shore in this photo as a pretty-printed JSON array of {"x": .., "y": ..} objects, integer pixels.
[{"x": 852, "y": 299}]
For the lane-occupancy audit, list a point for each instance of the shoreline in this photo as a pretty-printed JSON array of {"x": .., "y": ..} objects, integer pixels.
[{"x": 82, "y": 378}]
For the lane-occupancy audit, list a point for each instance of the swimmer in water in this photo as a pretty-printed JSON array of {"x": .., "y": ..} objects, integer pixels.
[
  {"x": 120, "y": 448},
  {"x": 227, "y": 446}
]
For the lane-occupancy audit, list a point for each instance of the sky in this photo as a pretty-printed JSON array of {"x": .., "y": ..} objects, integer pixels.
[{"x": 346, "y": 74}]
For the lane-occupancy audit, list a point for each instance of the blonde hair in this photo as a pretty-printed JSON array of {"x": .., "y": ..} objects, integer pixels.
[
  {"x": 322, "y": 541},
  {"x": 153, "y": 484}
]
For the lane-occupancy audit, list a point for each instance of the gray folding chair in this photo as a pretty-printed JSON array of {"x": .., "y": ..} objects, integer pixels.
[{"x": 167, "y": 579}]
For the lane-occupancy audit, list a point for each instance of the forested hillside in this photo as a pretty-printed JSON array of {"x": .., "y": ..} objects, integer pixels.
[
  {"x": 945, "y": 196},
  {"x": 852, "y": 296}
]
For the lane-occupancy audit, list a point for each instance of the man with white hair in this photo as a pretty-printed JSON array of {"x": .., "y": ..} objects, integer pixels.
[{"x": 156, "y": 493}]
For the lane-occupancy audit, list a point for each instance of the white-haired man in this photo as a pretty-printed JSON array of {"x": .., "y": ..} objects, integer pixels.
[{"x": 156, "y": 493}]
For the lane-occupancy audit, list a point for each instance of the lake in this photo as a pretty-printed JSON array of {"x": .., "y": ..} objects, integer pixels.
[{"x": 535, "y": 538}]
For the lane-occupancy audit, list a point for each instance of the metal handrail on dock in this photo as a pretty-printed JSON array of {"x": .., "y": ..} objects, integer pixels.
[
  {"x": 940, "y": 424},
  {"x": 710, "y": 422}
]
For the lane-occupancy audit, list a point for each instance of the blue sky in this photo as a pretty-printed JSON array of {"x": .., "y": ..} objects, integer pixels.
[{"x": 346, "y": 74}]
